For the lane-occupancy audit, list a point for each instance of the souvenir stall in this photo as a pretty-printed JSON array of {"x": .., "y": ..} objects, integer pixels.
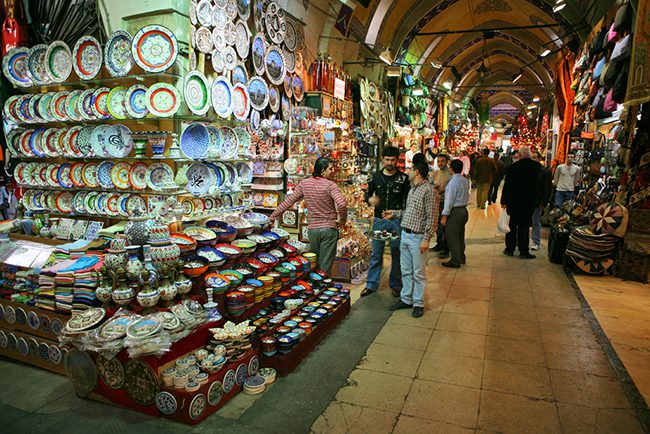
[{"x": 137, "y": 265}]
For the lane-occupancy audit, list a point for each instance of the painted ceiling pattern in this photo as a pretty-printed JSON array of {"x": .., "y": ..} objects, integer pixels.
[{"x": 493, "y": 6}]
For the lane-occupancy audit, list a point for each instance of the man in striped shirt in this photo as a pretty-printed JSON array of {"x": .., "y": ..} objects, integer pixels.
[{"x": 328, "y": 211}]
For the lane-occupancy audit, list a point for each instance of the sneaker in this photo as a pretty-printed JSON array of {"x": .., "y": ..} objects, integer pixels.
[
  {"x": 417, "y": 312},
  {"x": 399, "y": 304},
  {"x": 534, "y": 247},
  {"x": 508, "y": 253},
  {"x": 527, "y": 256}
]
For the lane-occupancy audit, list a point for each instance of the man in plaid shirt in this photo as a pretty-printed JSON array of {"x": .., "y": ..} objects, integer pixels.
[{"x": 419, "y": 223}]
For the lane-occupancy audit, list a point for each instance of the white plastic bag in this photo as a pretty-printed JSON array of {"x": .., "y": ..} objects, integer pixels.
[{"x": 504, "y": 222}]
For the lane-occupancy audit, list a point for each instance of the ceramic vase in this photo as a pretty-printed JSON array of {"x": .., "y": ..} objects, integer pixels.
[
  {"x": 148, "y": 297},
  {"x": 183, "y": 283},
  {"x": 157, "y": 143},
  {"x": 140, "y": 144},
  {"x": 116, "y": 260},
  {"x": 138, "y": 231},
  {"x": 167, "y": 290},
  {"x": 134, "y": 267},
  {"x": 122, "y": 294}
]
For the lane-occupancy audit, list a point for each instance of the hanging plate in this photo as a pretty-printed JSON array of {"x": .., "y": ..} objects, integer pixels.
[
  {"x": 195, "y": 141},
  {"x": 258, "y": 15},
  {"x": 258, "y": 91},
  {"x": 287, "y": 86},
  {"x": 154, "y": 48},
  {"x": 259, "y": 53},
  {"x": 118, "y": 143},
  {"x": 290, "y": 36},
  {"x": 84, "y": 142},
  {"x": 116, "y": 102},
  {"x": 204, "y": 13},
  {"x": 286, "y": 107},
  {"x": 85, "y": 105},
  {"x": 135, "y": 101},
  {"x": 117, "y": 57},
  {"x": 196, "y": 92},
  {"x": 120, "y": 175},
  {"x": 219, "y": 18},
  {"x": 140, "y": 382},
  {"x": 71, "y": 105},
  {"x": 193, "y": 18},
  {"x": 203, "y": 38},
  {"x": 230, "y": 33},
  {"x": 239, "y": 75},
  {"x": 104, "y": 174},
  {"x": 36, "y": 64},
  {"x": 299, "y": 68},
  {"x": 219, "y": 39},
  {"x": 231, "y": 10},
  {"x": 163, "y": 99},
  {"x": 217, "y": 62},
  {"x": 222, "y": 97},
  {"x": 230, "y": 143},
  {"x": 89, "y": 175},
  {"x": 159, "y": 175},
  {"x": 298, "y": 88},
  {"x": 241, "y": 102},
  {"x": 275, "y": 66},
  {"x": 138, "y": 176},
  {"x": 87, "y": 57},
  {"x": 230, "y": 58},
  {"x": 14, "y": 67},
  {"x": 275, "y": 23},
  {"x": 58, "y": 61},
  {"x": 9, "y": 108},
  {"x": 244, "y": 9},
  {"x": 100, "y": 104},
  {"x": 242, "y": 39},
  {"x": 256, "y": 119},
  {"x": 290, "y": 60},
  {"x": 199, "y": 179},
  {"x": 274, "y": 99}
]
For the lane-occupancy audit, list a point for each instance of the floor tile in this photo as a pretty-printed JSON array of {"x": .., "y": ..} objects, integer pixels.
[
  {"x": 416, "y": 425},
  {"x": 579, "y": 359},
  {"x": 518, "y": 379},
  {"x": 516, "y": 297},
  {"x": 588, "y": 390},
  {"x": 448, "y": 403},
  {"x": 404, "y": 336},
  {"x": 469, "y": 292},
  {"x": 515, "y": 350},
  {"x": 343, "y": 418},
  {"x": 577, "y": 419},
  {"x": 405, "y": 317},
  {"x": 457, "y": 344},
  {"x": 608, "y": 421},
  {"x": 461, "y": 322},
  {"x": 461, "y": 371},
  {"x": 513, "y": 328},
  {"x": 507, "y": 413},
  {"x": 504, "y": 309},
  {"x": 376, "y": 390},
  {"x": 560, "y": 316},
  {"x": 579, "y": 336},
  {"x": 392, "y": 360},
  {"x": 467, "y": 306},
  {"x": 473, "y": 280}
]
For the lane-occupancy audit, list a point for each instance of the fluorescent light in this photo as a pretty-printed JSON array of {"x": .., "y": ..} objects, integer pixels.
[
  {"x": 418, "y": 91},
  {"x": 393, "y": 71},
  {"x": 559, "y": 7},
  {"x": 457, "y": 104},
  {"x": 386, "y": 57},
  {"x": 514, "y": 80},
  {"x": 447, "y": 85},
  {"x": 536, "y": 98},
  {"x": 545, "y": 52},
  {"x": 532, "y": 107},
  {"x": 436, "y": 63}
]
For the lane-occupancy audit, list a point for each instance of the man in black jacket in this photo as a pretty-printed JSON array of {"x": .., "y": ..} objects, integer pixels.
[
  {"x": 546, "y": 186},
  {"x": 496, "y": 180},
  {"x": 387, "y": 191},
  {"x": 520, "y": 196}
]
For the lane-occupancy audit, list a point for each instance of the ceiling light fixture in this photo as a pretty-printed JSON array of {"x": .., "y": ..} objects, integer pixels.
[
  {"x": 536, "y": 98},
  {"x": 393, "y": 71},
  {"x": 544, "y": 52},
  {"x": 559, "y": 7},
  {"x": 517, "y": 77},
  {"x": 447, "y": 85},
  {"x": 436, "y": 63},
  {"x": 386, "y": 57}
]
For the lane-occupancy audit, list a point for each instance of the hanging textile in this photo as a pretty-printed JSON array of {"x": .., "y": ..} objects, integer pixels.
[
  {"x": 638, "y": 89},
  {"x": 564, "y": 95}
]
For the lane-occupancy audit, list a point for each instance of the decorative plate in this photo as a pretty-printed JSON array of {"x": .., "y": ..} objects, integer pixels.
[
  {"x": 111, "y": 371},
  {"x": 85, "y": 105},
  {"x": 230, "y": 143},
  {"x": 43, "y": 351},
  {"x": 95, "y": 138},
  {"x": 222, "y": 97},
  {"x": 275, "y": 23},
  {"x": 4, "y": 342},
  {"x": 290, "y": 36},
  {"x": 82, "y": 372},
  {"x": 193, "y": 18},
  {"x": 274, "y": 99},
  {"x": 85, "y": 320},
  {"x": 287, "y": 86},
  {"x": 204, "y": 13},
  {"x": 217, "y": 62},
  {"x": 76, "y": 174},
  {"x": 36, "y": 64},
  {"x": 239, "y": 75},
  {"x": 9, "y": 108},
  {"x": 215, "y": 393},
  {"x": 58, "y": 61},
  {"x": 56, "y": 326},
  {"x": 219, "y": 39},
  {"x": 231, "y": 10},
  {"x": 230, "y": 58},
  {"x": 163, "y": 99},
  {"x": 119, "y": 143},
  {"x": 286, "y": 108},
  {"x": 154, "y": 48},
  {"x": 290, "y": 60},
  {"x": 100, "y": 103},
  {"x": 104, "y": 174},
  {"x": 117, "y": 57},
  {"x": 298, "y": 88},
  {"x": 258, "y": 53},
  {"x": 12, "y": 342},
  {"x": 203, "y": 37},
  {"x": 140, "y": 382},
  {"x": 195, "y": 141},
  {"x": 241, "y": 102},
  {"x": 116, "y": 102},
  {"x": 275, "y": 65},
  {"x": 32, "y": 320},
  {"x": 197, "y": 406},
  {"x": 90, "y": 175},
  {"x": 242, "y": 373},
  {"x": 21, "y": 317},
  {"x": 256, "y": 118},
  {"x": 135, "y": 101},
  {"x": 10, "y": 315},
  {"x": 242, "y": 38},
  {"x": 199, "y": 179},
  {"x": 72, "y": 106},
  {"x": 23, "y": 349},
  {"x": 244, "y": 9},
  {"x": 135, "y": 202},
  {"x": 219, "y": 18},
  {"x": 291, "y": 166},
  {"x": 254, "y": 365},
  {"x": 197, "y": 94},
  {"x": 120, "y": 175},
  {"x": 143, "y": 327},
  {"x": 159, "y": 175},
  {"x": 87, "y": 57},
  {"x": 63, "y": 175},
  {"x": 54, "y": 354},
  {"x": 14, "y": 67},
  {"x": 165, "y": 401},
  {"x": 258, "y": 91},
  {"x": 258, "y": 15},
  {"x": 300, "y": 38},
  {"x": 229, "y": 381}
]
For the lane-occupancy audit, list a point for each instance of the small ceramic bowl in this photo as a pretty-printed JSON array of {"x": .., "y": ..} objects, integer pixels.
[
  {"x": 225, "y": 232},
  {"x": 192, "y": 386},
  {"x": 195, "y": 266}
]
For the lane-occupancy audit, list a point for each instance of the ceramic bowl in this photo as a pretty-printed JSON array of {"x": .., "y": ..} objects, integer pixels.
[
  {"x": 262, "y": 241},
  {"x": 225, "y": 232},
  {"x": 184, "y": 242},
  {"x": 202, "y": 236},
  {"x": 229, "y": 251},
  {"x": 195, "y": 266},
  {"x": 215, "y": 257},
  {"x": 247, "y": 246},
  {"x": 235, "y": 277}
]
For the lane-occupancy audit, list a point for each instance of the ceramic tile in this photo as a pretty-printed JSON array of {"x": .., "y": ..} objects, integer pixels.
[
  {"x": 460, "y": 322},
  {"x": 513, "y": 328},
  {"x": 508, "y": 413},
  {"x": 457, "y": 344},
  {"x": 500, "y": 295},
  {"x": 588, "y": 390},
  {"x": 579, "y": 336},
  {"x": 561, "y": 316},
  {"x": 343, "y": 418},
  {"x": 466, "y": 306},
  {"x": 579, "y": 359},
  {"x": 404, "y": 336},
  {"x": 447, "y": 403},
  {"x": 461, "y": 371},
  {"x": 577, "y": 418},
  {"x": 481, "y": 281},
  {"x": 514, "y": 350},
  {"x": 518, "y": 379},
  {"x": 385, "y": 392},
  {"x": 416, "y": 425},
  {"x": 608, "y": 421},
  {"x": 387, "y": 358}
]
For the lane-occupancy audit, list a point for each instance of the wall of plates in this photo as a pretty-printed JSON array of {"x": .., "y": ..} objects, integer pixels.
[{"x": 377, "y": 109}]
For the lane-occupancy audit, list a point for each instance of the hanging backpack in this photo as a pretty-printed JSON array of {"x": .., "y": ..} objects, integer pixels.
[
  {"x": 623, "y": 49},
  {"x": 598, "y": 43}
]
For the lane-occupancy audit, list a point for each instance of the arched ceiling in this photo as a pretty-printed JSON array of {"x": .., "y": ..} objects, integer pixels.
[{"x": 449, "y": 31}]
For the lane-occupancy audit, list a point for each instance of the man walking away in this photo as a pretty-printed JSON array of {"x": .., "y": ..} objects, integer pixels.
[
  {"x": 567, "y": 178},
  {"x": 419, "y": 223},
  {"x": 387, "y": 191},
  {"x": 485, "y": 169},
  {"x": 496, "y": 181},
  {"x": 440, "y": 178},
  {"x": 546, "y": 188},
  {"x": 454, "y": 215}
]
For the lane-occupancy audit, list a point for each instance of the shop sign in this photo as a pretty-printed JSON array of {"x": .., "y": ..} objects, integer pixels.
[{"x": 339, "y": 88}]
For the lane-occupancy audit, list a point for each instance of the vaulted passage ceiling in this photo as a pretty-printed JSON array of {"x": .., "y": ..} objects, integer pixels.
[{"x": 452, "y": 33}]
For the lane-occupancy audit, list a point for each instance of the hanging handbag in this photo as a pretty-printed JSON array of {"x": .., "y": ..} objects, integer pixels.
[
  {"x": 598, "y": 43},
  {"x": 610, "y": 105},
  {"x": 587, "y": 131},
  {"x": 612, "y": 34},
  {"x": 610, "y": 72},
  {"x": 622, "y": 50},
  {"x": 598, "y": 69},
  {"x": 623, "y": 19}
]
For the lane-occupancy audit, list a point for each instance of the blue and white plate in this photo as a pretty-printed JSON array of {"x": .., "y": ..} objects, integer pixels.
[
  {"x": 134, "y": 101},
  {"x": 159, "y": 175},
  {"x": 63, "y": 175},
  {"x": 104, "y": 174},
  {"x": 96, "y": 141},
  {"x": 256, "y": 119},
  {"x": 36, "y": 64},
  {"x": 258, "y": 92},
  {"x": 199, "y": 179},
  {"x": 14, "y": 67},
  {"x": 222, "y": 97},
  {"x": 195, "y": 141},
  {"x": 239, "y": 75},
  {"x": 117, "y": 56},
  {"x": 230, "y": 143}
]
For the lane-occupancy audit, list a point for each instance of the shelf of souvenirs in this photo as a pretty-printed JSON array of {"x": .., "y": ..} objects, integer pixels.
[
  {"x": 217, "y": 212},
  {"x": 145, "y": 192},
  {"x": 267, "y": 187},
  {"x": 269, "y": 175},
  {"x": 320, "y": 92},
  {"x": 135, "y": 159},
  {"x": 144, "y": 120},
  {"x": 83, "y": 84}
]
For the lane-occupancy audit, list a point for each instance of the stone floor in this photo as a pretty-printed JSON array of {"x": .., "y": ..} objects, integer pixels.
[{"x": 503, "y": 346}]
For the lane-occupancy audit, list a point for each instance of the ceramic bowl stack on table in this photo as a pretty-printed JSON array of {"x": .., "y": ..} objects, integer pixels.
[{"x": 236, "y": 338}]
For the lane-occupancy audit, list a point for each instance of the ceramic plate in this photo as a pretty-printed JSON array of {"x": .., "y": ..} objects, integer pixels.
[
  {"x": 290, "y": 36},
  {"x": 72, "y": 105},
  {"x": 58, "y": 61},
  {"x": 154, "y": 48},
  {"x": 275, "y": 23},
  {"x": 244, "y": 9},
  {"x": 275, "y": 65},
  {"x": 196, "y": 92},
  {"x": 87, "y": 57},
  {"x": 116, "y": 102},
  {"x": 9, "y": 108},
  {"x": 85, "y": 105},
  {"x": 85, "y": 319},
  {"x": 242, "y": 39},
  {"x": 145, "y": 326},
  {"x": 199, "y": 179},
  {"x": 104, "y": 174},
  {"x": 159, "y": 175},
  {"x": 288, "y": 91},
  {"x": 138, "y": 176},
  {"x": 219, "y": 18},
  {"x": 222, "y": 97},
  {"x": 120, "y": 175},
  {"x": 195, "y": 141},
  {"x": 89, "y": 175},
  {"x": 230, "y": 58},
  {"x": 117, "y": 57},
  {"x": 230, "y": 143},
  {"x": 135, "y": 101},
  {"x": 163, "y": 99},
  {"x": 84, "y": 142},
  {"x": 217, "y": 62},
  {"x": 203, "y": 39},
  {"x": 14, "y": 67},
  {"x": 298, "y": 88},
  {"x": 256, "y": 119},
  {"x": 36, "y": 64},
  {"x": 204, "y": 13},
  {"x": 118, "y": 143},
  {"x": 258, "y": 92},
  {"x": 258, "y": 53},
  {"x": 239, "y": 75},
  {"x": 76, "y": 174},
  {"x": 274, "y": 99},
  {"x": 290, "y": 60},
  {"x": 241, "y": 102},
  {"x": 99, "y": 104}
]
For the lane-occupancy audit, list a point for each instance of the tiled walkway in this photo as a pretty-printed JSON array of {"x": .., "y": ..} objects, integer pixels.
[{"x": 502, "y": 347}]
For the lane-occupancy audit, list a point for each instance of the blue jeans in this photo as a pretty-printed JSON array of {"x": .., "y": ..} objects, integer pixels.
[
  {"x": 414, "y": 270},
  {"x": 537, "y": 225},
  {"x": 377, "y": 257},
  {"x": 561, "y": 197}
]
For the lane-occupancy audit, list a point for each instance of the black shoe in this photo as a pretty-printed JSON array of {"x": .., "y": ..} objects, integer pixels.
[
  {"x": 399, "y": 304},
  {"x": 462, "y": 262},
  {"x": 508, "y": 253},
  {"x": 396, "y": 291},
  {"x": 417, "y": 312},
  {"x": 443, "y": 255},
  {"x": 527, "y": 256},
  {"x": 451, "y": 264},
  {"x": 367, "y": 291},
  {"x": 436, "y": 248}
]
